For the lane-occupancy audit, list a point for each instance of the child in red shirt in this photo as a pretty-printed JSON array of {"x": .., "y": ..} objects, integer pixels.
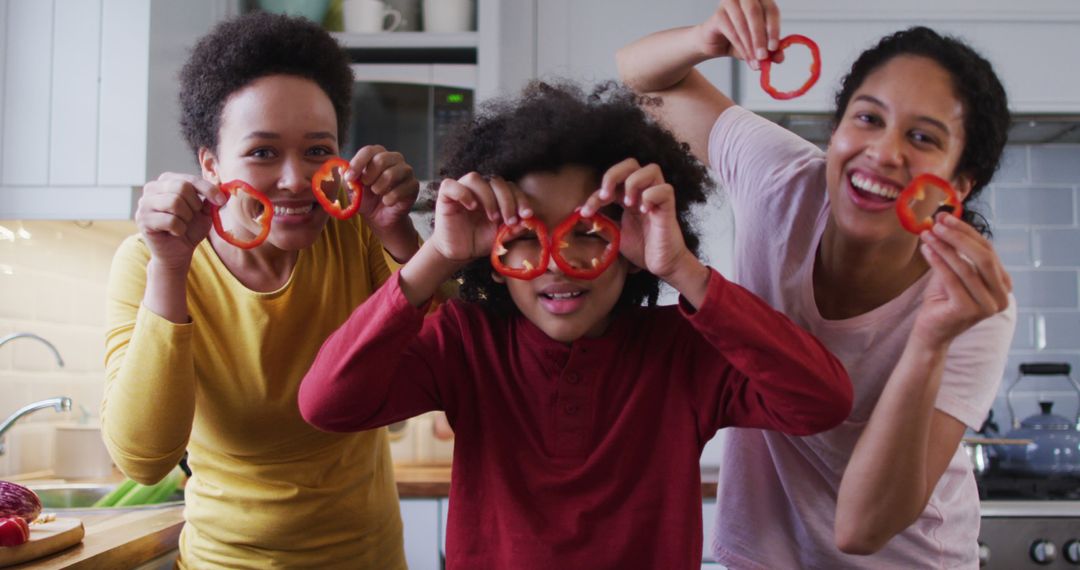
[{"x": 579, "y": 414}]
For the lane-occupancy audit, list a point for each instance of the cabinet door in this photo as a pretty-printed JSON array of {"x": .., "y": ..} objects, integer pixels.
[
  {"x": 75, "y": 72},
  {"x": 420, "y": 518},
  {"x": 28, "y": 56},
  {"x": 578, "y": 40}
]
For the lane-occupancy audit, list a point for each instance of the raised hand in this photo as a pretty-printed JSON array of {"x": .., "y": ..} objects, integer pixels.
[
  {"x": 390, "y": 187},
  {"x": 469, "y": 211},
  {"x": 173, "y": 216},
  {"x": 968, "y": 283},
  {"x": 743, "y": 29}
]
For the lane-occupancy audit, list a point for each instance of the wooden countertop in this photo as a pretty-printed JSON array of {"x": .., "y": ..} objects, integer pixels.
[
  {"x": 433, "y": 480},
  {"x": 117, "y": 540}
]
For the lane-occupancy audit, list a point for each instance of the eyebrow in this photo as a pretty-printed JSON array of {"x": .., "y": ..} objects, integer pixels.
[
  {"x": 317, "y": 135},
  {"x": 875, "y": 101}
]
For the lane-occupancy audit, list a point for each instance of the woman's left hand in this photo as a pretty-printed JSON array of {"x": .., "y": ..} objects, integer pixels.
[
  {"x": 390, "y": 188},
  {"x": 650, "y": 233},
  {"x": 968, "y": 283}
]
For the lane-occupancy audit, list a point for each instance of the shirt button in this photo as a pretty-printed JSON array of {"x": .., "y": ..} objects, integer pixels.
[
  {"x": 573, "y": 378},
  {"x": 571, "y": 409}
]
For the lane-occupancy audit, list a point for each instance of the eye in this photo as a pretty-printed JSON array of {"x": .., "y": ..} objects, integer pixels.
[
  {"x": 868, "y": 118},
  {"x": 924, "y": 138},
  {"x": 262, "y": 152},
  {"x": 321, "y": 151}
]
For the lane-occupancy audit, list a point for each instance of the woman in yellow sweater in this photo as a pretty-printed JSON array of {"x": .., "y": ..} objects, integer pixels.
[{"x": 207, "y": 342}]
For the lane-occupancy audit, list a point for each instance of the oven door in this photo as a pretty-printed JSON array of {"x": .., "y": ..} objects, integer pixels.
[{"x": 411, "y": 109}]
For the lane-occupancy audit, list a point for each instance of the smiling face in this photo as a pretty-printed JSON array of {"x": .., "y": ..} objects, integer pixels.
[
  {"x": 275, "y": 134},
  {"x": 904, "y": 120},
  {"x": 565, "y": 309}
]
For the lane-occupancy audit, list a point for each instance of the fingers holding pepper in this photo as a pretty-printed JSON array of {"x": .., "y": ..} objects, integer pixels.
[{"x": 970, "y": 257}]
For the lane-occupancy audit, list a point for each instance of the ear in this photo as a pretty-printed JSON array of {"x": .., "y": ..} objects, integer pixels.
[
  {"x": 498, "y": 278},
  {"x": 963, "y": 183},
  {"x": 208, "y": 164}
]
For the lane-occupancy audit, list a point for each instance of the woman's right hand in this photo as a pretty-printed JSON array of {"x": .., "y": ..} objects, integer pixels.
[
  {"x": 469, "y": 211},
  {"x": 173, "y": 216},
  {"x": 744, "y": 29}
]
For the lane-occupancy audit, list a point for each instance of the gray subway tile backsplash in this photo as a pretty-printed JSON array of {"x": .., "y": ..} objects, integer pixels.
[
  {"x": 1035, "y": 219},
  {"x": 1059, "y": 164},
  {"x": 1034, "y": 206}
]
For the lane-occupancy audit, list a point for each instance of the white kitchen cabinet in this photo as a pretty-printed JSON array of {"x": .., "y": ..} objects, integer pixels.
[
  {"x": 88, "y": 96},
  {"x": 421, "y": 520},
  {"x": 1027, "y": 44},
  {"x": 578, "y": 40}
]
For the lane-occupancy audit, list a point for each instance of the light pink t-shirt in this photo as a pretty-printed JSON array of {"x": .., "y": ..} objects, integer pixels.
[{"x": 777, "y": 495}]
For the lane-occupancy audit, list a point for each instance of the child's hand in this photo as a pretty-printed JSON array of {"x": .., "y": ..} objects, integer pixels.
[
  {"x": 651, "y": 237},
  {"x": 390, "y": 187},
  {"x": 743, "y": 29},
  {"x": 468, "y": 213},
  {"x": 968, "y": 283}
]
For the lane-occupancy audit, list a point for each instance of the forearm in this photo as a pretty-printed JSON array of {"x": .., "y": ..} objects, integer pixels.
[
  {"x": 886, "y": 483},
  {"x": 166, "y": 292},
  {"x": 691, "y": 279},
  {"x": 422, "y": 276},
  {"x": 149, "y": 402},
  {"x": 660, "y": 60},
  {"x": 401, "y": 240}
]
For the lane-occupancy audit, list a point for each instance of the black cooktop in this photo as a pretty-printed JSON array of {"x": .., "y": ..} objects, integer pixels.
[{"x": 1004, "y": 486}]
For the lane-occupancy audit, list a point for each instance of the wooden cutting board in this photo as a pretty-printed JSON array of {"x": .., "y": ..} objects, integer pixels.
[{"x": 45, "y": 539}]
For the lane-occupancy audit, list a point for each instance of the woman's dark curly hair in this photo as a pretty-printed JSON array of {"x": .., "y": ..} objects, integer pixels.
[
  {"x": 555, "y": 124},
  {"x": 986, "y": 107},
  {"x": 254, "y": 45}
]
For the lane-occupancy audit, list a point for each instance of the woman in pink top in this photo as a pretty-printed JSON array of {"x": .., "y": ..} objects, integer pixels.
[{"x": 921, "y": 322}]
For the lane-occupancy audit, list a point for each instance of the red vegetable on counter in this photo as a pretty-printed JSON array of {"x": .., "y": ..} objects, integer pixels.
[
  {"x": 18, "y": 501},
  {"x": 815, "y": 67},
  {"x": 13, "y": 531},
  {"x": 916, "y": 192},
  {"x": 231, "y": 188}
]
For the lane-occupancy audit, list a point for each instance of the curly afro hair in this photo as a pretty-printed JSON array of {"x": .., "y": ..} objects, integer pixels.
[
  {"x": 986, "y": 107},
  {"x": 254, "y": 45},
  {"x": 554, "y": 124}
]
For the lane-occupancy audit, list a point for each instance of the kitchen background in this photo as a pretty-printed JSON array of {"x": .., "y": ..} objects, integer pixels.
[{"x": 58, "y": 231}]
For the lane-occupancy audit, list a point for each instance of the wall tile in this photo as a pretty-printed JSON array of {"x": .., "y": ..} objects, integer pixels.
[
  {"x": 1055, "y": 163},
  {"x": 1024, "y": 338},
  {"x": 1014, "y": 165},
  {"x": 16, "y": 294},
  {"x": 1013, "y": 246},
  {"x": 1056, "y": 248},
  {"x": 1047, "y": 288},
  {"x": 1062, "y": 330},
  {"x": 1034, "y": 206}
]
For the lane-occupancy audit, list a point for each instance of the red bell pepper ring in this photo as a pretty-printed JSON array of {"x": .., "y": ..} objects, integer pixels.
[
  {"x": 230, "y": 189},
  {"x": 528, "y": 270},
  {"x": 326, "y": 174},
  {"x": 13, "y": 531},
  {"x": 602, "y": 225},
  {"x": 815, "y": 67},
  {"x": 916, "y": 192}
]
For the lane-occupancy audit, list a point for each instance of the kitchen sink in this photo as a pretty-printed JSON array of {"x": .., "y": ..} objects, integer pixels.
[{"x": 72, "y": 497}]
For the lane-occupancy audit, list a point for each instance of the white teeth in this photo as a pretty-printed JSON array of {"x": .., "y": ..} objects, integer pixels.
[
  {"x": 563, "y": 295},
  {"x": 865, "y": 184},
  {"x": 284, "y": 211}
]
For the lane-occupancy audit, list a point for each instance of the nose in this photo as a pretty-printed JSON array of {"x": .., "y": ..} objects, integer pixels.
[
  {"x": 887, "y": 149},
  {"x": 294, "y": 176},
  {"x": 552, "y": 266}
]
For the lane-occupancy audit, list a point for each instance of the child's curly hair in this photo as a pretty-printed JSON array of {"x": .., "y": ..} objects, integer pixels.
[
  {"x": 251, "y": 46},
  {"x": 554, "y": 124}
]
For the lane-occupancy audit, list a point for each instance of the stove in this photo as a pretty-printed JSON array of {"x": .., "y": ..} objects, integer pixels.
[{"x": 1029, "y": 522}]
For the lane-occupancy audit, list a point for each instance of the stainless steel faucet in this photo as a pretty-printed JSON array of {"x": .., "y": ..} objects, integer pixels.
[
  {"x": 61, "y": 404},
  {"x": 33, "y": 336}
]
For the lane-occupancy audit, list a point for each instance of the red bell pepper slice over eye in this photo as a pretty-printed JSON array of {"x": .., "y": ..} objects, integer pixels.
[
  {"x": 527, "y": 271},
  {"x": 326, "y": 174},
  {"x": 230, "y": 189},
  {"x": 601, "y": 225},
  {"x": 815, "y": 67},
  {"x": 916, "y": 192}
]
